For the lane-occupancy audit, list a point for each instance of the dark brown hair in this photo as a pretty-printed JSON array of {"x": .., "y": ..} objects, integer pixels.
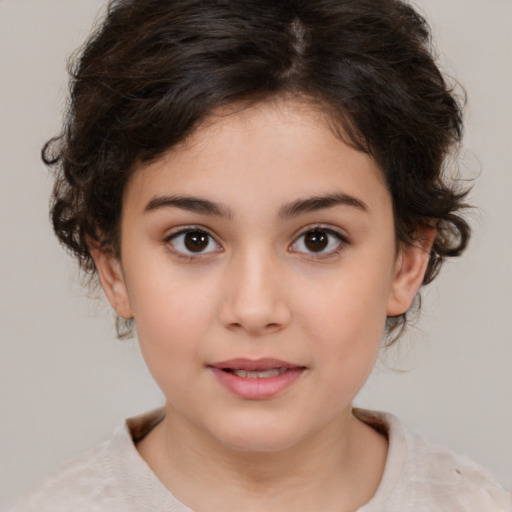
[{"x": 155, "y": 69}]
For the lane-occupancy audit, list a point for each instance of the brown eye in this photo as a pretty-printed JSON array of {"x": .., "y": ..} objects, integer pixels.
[
  {"x": 321, "y": 241},
  {"x": 316, "y": 241},
  {"x": 194, "y": 241}
]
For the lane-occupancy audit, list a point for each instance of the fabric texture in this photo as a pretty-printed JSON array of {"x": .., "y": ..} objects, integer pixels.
[{"x": 418, "y": 477}]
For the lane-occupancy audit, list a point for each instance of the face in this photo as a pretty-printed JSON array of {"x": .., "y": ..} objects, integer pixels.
[{"x": 259, "y": 262}]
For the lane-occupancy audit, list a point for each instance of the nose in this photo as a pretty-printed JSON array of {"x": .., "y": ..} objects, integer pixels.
[{"x": 254, "y": 299}]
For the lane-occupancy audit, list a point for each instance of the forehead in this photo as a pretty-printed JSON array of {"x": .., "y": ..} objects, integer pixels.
[{"x": 270, "y": 153}]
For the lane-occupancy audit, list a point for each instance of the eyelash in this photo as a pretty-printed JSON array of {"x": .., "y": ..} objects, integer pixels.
[
  {"x": 183, "y": 232},
  {"x": 341, "y": 239}
]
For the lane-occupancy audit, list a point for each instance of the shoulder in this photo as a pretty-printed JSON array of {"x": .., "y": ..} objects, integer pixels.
[
  {"x": 111, "y": 476},
  {"x": 85, "y": 483},
  {"x": 422, "y": 477},
  {"x": 454, "y": 481}
]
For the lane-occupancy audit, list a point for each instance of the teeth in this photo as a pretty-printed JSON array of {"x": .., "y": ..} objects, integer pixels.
[{"x": 259, "y": 374}]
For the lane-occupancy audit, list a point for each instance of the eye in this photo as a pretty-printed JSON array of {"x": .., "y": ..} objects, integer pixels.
[
  {"x": 319, "y": 241},
  {"x": 193, "y": 241}
]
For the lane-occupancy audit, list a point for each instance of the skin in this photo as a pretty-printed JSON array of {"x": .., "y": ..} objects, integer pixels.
[{"x": 257, "y": 291}]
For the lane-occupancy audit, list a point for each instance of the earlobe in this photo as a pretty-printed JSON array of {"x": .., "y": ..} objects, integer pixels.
[
  {"x": 410, "y": 269},
  {"x": 112, "y": 280}
]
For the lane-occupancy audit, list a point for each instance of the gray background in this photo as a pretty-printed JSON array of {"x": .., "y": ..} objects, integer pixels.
[{"x": 65, "y": 380}]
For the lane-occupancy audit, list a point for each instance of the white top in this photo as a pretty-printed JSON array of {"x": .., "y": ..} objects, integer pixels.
[{"x": 418, "y": 477}]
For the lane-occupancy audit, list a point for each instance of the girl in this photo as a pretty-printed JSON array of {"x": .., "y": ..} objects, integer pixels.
[{"x": 259, "y": 188}]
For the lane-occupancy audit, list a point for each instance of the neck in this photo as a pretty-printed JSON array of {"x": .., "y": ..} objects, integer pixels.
[{"x": 339, "y": 466}]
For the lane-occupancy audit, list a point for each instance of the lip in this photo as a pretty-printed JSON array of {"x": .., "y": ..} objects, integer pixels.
[{"x": 256, "y": 388}]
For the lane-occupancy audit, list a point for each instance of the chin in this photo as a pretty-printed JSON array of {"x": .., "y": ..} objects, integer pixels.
[{"x": 258, "y": 437}]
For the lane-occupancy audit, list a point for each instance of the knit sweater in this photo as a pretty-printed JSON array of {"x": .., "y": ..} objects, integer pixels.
[{"x": 418, "y": 477}]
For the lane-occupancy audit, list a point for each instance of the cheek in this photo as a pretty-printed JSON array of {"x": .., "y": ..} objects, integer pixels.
[
  {"x": 351, "y": 306},
  {"x": 172, "y": 318},
  {"x": 166, "y": 299},
  {"x": 347, "y": 325}
]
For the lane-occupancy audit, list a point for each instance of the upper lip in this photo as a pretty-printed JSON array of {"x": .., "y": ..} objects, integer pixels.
[{"x": 254, "y": 364}]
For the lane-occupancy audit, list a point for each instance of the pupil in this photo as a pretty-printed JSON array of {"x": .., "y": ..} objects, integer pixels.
[
  {"x": 316, "y": 241},
  {"x": 196, "y": 241}
]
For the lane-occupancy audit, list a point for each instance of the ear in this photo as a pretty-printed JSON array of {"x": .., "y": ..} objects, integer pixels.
[
  {"x": 410, "y": 268},
  {"x": 112, "y": 280}
]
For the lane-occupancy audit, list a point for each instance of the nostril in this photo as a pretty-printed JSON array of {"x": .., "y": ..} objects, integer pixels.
[{"x": 254, "y": 314}]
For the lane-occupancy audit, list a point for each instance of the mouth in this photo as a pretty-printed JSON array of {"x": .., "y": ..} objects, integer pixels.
[
  {"x": 256, "y": 379},
  {"x": 256, "y": 374}
]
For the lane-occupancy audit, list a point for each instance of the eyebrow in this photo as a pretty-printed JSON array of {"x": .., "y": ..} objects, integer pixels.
[
  {"x": 193, "y": 204},
  {"x": 312, "y": 204},
  {"x": 296, "y": 208}
]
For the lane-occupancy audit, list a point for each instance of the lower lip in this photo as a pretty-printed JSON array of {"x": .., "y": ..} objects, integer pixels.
[{"x": 257, "y": 389}]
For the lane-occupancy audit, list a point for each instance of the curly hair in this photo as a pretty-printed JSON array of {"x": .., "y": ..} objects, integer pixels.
[{"x": 155, "y": 69}]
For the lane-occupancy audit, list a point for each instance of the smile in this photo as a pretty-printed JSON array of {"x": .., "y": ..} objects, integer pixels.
[
  {"x": 256, "y": 379},
  {"x": 257, "y": 374}
]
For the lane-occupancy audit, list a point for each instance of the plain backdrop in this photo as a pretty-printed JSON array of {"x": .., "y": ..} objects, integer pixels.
[{"x": 66, "y": 382}]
